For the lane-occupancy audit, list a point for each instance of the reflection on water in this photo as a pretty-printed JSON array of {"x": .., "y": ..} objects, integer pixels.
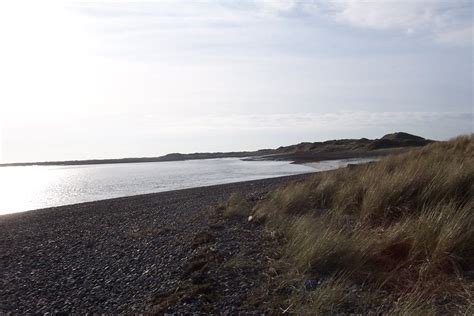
[
  {"x": 335, "y": 164},
  {"x": 33, "y": 187}
]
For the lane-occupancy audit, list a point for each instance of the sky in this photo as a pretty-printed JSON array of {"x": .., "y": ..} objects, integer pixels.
[{"x": 110, "y": 79}]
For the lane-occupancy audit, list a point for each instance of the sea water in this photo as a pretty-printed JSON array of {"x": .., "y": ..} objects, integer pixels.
[{"x": 35, "y": 187}]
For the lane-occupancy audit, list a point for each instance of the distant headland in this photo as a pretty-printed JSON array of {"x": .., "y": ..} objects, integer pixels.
[{"x": 299, "y": 153}]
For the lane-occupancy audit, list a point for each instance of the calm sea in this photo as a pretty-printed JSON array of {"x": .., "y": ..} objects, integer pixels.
[{"x": 34, "y": 187}]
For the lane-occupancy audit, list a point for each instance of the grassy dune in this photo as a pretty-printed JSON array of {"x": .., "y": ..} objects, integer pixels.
[{"x": 396, "y": 236}]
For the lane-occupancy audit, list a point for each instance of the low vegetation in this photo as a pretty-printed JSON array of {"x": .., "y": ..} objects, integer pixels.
[
  {"x": 395, "y": 236},
  {"x": 236, "y": 206}
]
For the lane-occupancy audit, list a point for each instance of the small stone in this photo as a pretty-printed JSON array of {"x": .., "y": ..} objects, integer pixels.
[{"x": 311, "y": 284}]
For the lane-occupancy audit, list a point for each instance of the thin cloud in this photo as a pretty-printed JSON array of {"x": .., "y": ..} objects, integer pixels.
[
  {"x": 448, "y": 22},
  {"x": 445, "y": 22},
  {"x": 458, "y": 37},
  {"x": 329, "y": 120}
]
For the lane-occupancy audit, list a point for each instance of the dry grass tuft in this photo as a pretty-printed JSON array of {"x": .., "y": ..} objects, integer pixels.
[
  {"x": 236, "y": 206},
  {"x": 404, "y": 225}
]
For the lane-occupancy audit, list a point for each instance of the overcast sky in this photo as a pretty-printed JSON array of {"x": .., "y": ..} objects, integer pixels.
[{"x": 103, "y": 79}]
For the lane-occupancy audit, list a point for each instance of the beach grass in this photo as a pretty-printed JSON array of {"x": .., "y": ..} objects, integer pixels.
[
  {"x": 236, "y": 206},
  {"x": 395, "y": 236}
]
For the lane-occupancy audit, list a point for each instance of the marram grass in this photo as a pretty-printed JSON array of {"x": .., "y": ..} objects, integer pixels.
[{"x": 399, "y": 231}]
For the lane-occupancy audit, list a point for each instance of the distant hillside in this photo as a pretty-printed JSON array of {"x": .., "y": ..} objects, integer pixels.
[
  {"x": 398, "y": 140},
  {"x": 303, "y": 152},
  {"x": 347, "y": 148}
]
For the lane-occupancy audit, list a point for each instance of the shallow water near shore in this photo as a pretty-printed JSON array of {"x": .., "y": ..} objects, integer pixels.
[{"x": 35, "y": 187}]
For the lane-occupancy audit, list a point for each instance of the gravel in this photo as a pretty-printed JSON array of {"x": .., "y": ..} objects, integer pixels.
[{"x": 163, "y": 252}]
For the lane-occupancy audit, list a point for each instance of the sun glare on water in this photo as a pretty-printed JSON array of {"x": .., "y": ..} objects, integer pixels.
[{"x": 22, "y": 186}]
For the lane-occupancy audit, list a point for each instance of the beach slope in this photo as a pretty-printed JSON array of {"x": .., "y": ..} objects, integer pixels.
[{"x": 161, "y": 252}]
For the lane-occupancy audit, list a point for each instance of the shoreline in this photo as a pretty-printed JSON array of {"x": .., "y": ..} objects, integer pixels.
[
  {"x": 123, "y": 254},
  {"x": 294, "y": 158},
  {"x": 144, "y": 195},
  {"x": 312, "y": 165}
]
